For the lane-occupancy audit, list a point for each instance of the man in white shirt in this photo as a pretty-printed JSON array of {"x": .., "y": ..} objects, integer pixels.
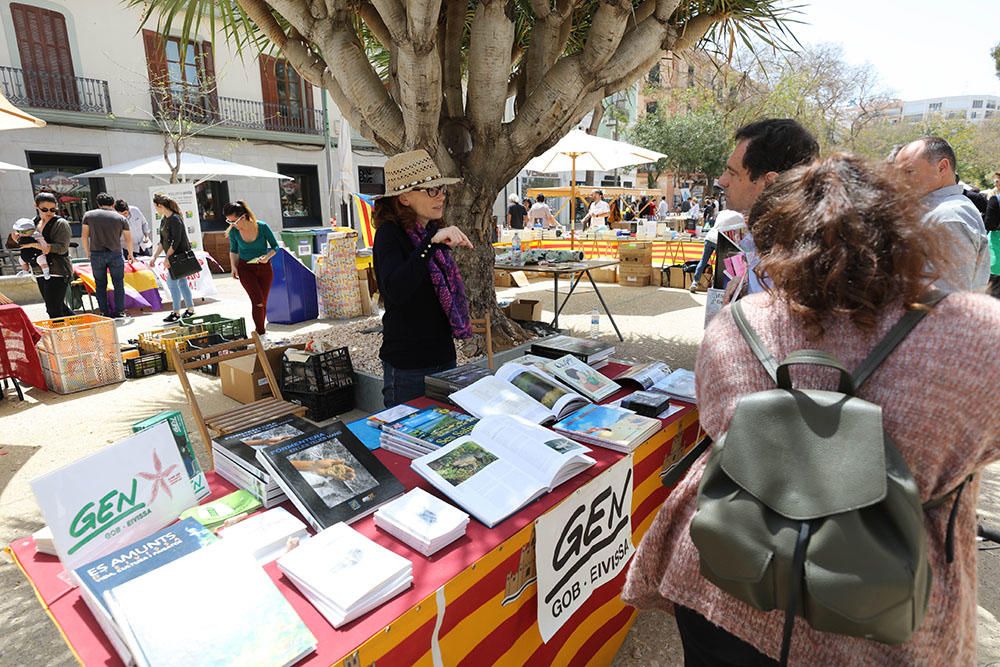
[
  {"x": 599, "y": 211},
  {"x": 540, "y": 214},
  {"x": 138, "y": 226},
  {"x": 695, "y": 211},
  {"x": 662, "y": 210}
]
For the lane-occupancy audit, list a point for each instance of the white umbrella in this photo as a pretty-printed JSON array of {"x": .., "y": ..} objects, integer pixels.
[
  {"x": 579, "y": 150},
  {"x": 12, "y": 118},
  {"x": 193, "y": 166},
  {"x": 345, "y": 177},
  {"x": 6, "y": 166}
]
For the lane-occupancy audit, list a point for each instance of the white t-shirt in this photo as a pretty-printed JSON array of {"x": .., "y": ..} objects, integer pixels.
[
  {"x": 662, "y": 210},
  {"x": 539, "y": 211},
  {"x": 599, "y": 208}
]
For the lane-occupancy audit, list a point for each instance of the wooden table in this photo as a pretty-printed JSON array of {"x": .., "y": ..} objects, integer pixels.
[{"x": 576, "y": 270}]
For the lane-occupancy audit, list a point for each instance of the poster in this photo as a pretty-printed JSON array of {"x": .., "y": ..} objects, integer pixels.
[
  {"x": 184, "y": 194},
  {"x": 112, "y": 498},
  {"x": 582, "y": 544}
]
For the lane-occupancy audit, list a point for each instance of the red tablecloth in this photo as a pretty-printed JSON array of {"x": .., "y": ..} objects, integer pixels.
[{"x": 18, "y": 358}]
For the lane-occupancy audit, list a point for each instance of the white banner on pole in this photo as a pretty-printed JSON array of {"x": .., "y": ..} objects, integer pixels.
[
  {"x": 184, "y": 194},
  {"x": 582, "y": 544}
]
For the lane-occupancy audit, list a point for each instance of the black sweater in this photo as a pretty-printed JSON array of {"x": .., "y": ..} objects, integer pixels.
[
  {"x": 415, "y": 329},
  {"x": 173, "y": 235}
]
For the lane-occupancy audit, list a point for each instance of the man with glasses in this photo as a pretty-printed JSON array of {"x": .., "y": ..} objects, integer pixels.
[{"x": 101, "y": 236}]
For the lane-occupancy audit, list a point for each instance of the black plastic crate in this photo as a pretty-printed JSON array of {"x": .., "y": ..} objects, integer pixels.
[
  {"x": 323, "y": 405},
  {"x": 200, "y": 343},
  {"x": 322, "y": 372},
  {"x": 145, "y": 365}
]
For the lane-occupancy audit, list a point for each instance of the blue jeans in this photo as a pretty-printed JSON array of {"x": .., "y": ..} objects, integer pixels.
[
  {"x": 706, "y": 255},
  {"x": 101, "y": 261},
  {"x": 179, "y": 289},
  {"x": 400, "y": 385}
]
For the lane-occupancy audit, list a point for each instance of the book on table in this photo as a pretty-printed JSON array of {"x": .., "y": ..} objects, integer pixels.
[
  {"x": 610, "y": 427},
  {"x": 166, "y": 619},
  {"x": 582, "y": 378},
  {"x": 330, "y": 476},
  {"x": 344, "y": 574},
  {"x": 425, "y": 430},
  {"x": 440, "y": 386},
  {"x": 504, "y": 464},
  {"x": 125, "y": 564},
  {"x": 266, "y": 536},
  {"x": 646, "y": 403},
  {"x": 516, "y": 389},
  {"x": 421, "y": 520},
  {"x": 390, "y": 415},
  {"x": 644, "y": 375},
  {"x": 236, "y": 456},
  {"x": 680, "y": 385},
  {"x": 587, "y": 351}
]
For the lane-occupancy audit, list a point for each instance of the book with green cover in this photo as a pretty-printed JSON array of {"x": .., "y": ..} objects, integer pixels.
[{"x": 214, "y": 514}]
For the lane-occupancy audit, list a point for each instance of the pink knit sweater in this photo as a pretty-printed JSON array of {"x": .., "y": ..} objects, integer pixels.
[{"x": 938, "y": 394}]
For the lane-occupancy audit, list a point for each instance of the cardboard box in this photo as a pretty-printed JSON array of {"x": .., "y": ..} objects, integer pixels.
[
  {"x": 633, "y": 279},
  {"x": 706, "y": 280},
  {"x": 526, "y": 309},
  {"x": 606, "y": 275},
  {"x": 677, "y": 277},
  {"x": 656, "y": 276},
  {"x": 243, "y": 379},
  {"x": 636, "y": 251},
  {"x": 502, "y": 279}
]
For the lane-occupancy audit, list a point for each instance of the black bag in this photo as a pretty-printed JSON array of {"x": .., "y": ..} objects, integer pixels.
[{"x": 183, "y": 264}]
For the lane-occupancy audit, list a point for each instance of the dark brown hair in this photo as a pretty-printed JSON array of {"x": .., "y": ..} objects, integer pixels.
[
  {"x": 166, "y": 202},
  {"x": 238, "y": 208},
  {"x": 390, "y": 209},
  {"x": 841, "y": 236}
]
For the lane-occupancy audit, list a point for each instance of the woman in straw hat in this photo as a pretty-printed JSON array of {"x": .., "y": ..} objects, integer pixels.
[{"x": 425, "y": 304}]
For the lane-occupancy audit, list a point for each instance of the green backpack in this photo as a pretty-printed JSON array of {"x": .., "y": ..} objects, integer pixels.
[{"x": 806, "y": 505}]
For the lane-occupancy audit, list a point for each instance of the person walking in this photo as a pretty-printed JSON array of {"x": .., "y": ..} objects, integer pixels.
[
  {"x": 848, "y": 252},
  {"x": 101, "y": 236},
  {"x": 56, "y": 236},
  {"x": 251, "y": 247},
  {"x": 992, "y": 223},
  {"x": 173, "y": 239},
  {"x": 138, "y": 225},
  {"x": 515, "y": 213},
  {"x": 711, "y": 244},
  {"x": 425, "y": 303}
]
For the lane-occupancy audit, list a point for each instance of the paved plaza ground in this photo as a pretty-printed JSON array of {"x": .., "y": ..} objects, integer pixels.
[{"x": 47, "y": 431}]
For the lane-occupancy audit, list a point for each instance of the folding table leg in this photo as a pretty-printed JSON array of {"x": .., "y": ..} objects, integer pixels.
[{"x": 606, "y": 309}]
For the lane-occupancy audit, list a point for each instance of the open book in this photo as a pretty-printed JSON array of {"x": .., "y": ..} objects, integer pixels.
[
  {"x": 516, "y": 389},
  {"x": 644, "y": 375},
  {"x": 680, "y": 385},
  {"x": 579, "y": 376},
  {"x": 504, "y": 464}
]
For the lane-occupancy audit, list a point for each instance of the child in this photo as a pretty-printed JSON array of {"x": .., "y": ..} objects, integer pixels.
[{"x": 26, "y": 233}]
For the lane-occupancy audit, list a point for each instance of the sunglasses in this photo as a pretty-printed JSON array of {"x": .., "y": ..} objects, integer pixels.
[
  {"x": 47, "y": 210},
  {"x": 435, "y": 190}
]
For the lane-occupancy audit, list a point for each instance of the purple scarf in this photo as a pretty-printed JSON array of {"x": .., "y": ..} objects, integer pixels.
[{"x": 447, "y": 282}]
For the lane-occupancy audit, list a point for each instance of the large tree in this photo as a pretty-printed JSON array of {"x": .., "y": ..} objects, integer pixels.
[
  {"x": 483, "y": 85},
  {"x": 696, "y": 141}
]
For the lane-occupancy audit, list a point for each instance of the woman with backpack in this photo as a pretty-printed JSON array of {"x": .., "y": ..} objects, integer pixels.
[{"x": 849, "y": 256}]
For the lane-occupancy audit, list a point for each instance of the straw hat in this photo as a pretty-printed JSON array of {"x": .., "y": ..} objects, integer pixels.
[{"x": 411, "y": 170}]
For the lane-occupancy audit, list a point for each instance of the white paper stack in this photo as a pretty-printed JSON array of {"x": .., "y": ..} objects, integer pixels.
[
  {"x": 265, "y": 536},
  {"x": 344, "y": 574},
  {"x": 43, "y": 541},
  {"x": 422, "y": 521}
]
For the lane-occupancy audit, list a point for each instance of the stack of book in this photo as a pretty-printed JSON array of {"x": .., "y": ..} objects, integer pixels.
[
  {"x": 329, "y": 475},
  {"x": 267, "y": 535},
  {"x": 441, "y": 386},
  {"x": 236, "y": 456},
  {"x": 425, "y": 431},
  {"x": 344, "y": 574},
  {"x": 610, "y": 427},
  {"x": 422, "y": 521},
  {"x": 44, "y": 543},
  {"x": 591, "y": 352}
]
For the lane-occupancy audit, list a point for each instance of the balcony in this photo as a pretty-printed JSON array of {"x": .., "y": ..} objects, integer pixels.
[
  {"x": 254, "y": 115},
  {"x": 45, "y": 90}
]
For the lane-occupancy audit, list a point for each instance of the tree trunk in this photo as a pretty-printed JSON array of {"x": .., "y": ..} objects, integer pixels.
[{"x": 471, "y": 209}]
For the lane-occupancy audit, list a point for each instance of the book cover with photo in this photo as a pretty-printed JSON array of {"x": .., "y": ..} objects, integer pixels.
[
  {"x": 504, "y": 464},
  {"x": 330, "y": 476},
  {"x": 605, "y": 426},
  {"x": 587, "y": 351},
  {"x": 241, "y": 446},
  {"x": 582, "y": 378},
  {"x": 516, "y": 389}
]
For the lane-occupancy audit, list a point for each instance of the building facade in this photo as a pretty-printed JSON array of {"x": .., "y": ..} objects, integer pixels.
[
  {"x": 102, "y": 81},
  {"x": 973, "y": 108}
]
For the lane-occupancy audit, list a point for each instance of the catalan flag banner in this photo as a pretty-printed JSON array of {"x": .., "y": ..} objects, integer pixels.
[{"x": 363, "y": 207}]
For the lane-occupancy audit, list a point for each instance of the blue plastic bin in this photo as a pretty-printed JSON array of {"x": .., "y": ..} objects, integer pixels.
[{"x": 293, "y": 291}]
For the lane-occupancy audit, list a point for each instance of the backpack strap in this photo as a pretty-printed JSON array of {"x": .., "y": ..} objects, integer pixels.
[
  {"x": 949, "y": 539},
  {"x": 757, "y": 346},
  {"x": 795, "y": 588}
]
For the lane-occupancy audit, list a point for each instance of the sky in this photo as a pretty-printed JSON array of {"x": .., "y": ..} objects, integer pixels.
[{"x": 920, "y": 48}]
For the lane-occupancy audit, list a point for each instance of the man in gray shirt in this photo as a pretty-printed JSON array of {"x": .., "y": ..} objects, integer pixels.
[
  {"x": 102, "y": 242},
  {"x": 928, "y": 165}
]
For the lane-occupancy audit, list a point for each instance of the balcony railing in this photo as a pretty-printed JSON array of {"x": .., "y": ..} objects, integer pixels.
[
  {"x": 47, "y": 90},
  {"x": 267, "y": 116}
]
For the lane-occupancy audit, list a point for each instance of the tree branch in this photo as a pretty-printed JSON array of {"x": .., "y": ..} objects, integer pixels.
[
  {"x": 605, "y": 34},
  {"x": 394, "y": 17},
  {"x": 421, "y": 21},
  {"x": 694, "y": 30},
  {"x": 489, "y": 66},
  {"x": 260, "y": 13},
  {"x": 452, "y": 64},
  {"x": 297, "y": 13},
  {"x": 374, "y": 21}
]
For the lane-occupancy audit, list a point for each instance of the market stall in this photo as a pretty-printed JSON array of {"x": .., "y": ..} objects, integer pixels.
[
  {"x": 665, "y": 252},
  {"x": 473, "y": 602}
]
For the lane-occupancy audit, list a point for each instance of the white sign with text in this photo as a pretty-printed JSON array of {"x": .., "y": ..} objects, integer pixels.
[
  {"x": 582, "y": 544},
  {"x": 187, "y": 198}
]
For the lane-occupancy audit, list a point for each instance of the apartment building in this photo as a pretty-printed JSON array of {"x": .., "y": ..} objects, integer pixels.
[
  {"x": 99, "y": 79},
  {"x": 973, "y": 108}
]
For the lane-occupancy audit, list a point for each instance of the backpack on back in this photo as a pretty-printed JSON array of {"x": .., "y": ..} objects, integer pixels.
[{"x": 806, "y": 504}]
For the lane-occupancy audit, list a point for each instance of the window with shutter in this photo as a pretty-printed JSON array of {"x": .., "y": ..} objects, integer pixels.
[
  {"x": 288, "y": 99},
  {"x": 182, "y": 78},
  {"x": 46, "y": 59}
]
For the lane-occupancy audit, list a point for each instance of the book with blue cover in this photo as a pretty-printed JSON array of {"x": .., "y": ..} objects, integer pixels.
[
  {"x": 425, "y": 431},
  {"x": 132, "y": 561},
  {"x": 610, "y": 427}
]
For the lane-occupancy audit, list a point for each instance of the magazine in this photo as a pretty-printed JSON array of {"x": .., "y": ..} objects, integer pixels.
[
  {"x": 644, "y": 375},
  {"x": 582, "y": 378},
  {"x": 441, "y": 385},
  {"x": 425, "y": 430},
  {"x": 605, "y": 426},
  {"x": 587, "y": 351},
  {"x": 520, "y": 390},
  {"x": 504, "y": 464},
  {"x": 330, "y": 476},
  {"x": 680, "y": 385}
]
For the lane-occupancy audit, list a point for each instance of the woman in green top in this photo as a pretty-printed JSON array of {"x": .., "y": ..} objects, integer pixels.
[{"x": 251, "y": 247}]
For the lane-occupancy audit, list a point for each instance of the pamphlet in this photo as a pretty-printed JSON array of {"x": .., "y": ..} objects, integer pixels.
[{"x": 583, "y": 378}]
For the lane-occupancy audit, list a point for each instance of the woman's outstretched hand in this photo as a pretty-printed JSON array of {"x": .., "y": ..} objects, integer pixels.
[{"x": 452, "y": 236}]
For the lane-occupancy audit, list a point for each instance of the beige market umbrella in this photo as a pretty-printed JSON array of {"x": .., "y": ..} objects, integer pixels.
[{"x": 12, "y": 118}]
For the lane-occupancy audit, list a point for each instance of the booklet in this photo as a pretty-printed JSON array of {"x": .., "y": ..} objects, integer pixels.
[
  {"x": 330, "y": 476},
  {"x": 390, "y": 415},
  {"x": 267, "y": 535},
  {"x": 422, "y": 521},
  {"x": 644, "y": 375},
  {"x": 516, "y": 389},
  {"x": 579, "y": 376},
  {"x": 605, "y": 426},
  {"x": 504, "y": 464}
]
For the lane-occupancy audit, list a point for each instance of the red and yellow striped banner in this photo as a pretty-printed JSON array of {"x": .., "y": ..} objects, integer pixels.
[
  {"x": 363, "y": 207},
  {"x": 665, "y": 253}
]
